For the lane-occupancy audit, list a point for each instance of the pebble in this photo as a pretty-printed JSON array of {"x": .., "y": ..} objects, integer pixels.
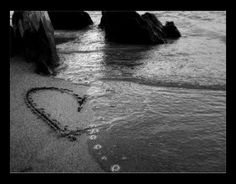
[
  {"x": 103, "y": 158},
  {"x": 92, "y": 126},
  {"x": 93, "y": 137},
  {"x": 72, "y": 138},
  {"x": 94, "y": 130},
  {"x": 97, "y": 146},
  {"x": 115, "y": 168}
]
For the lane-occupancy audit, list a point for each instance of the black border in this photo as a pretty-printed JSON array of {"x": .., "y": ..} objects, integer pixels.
[{"x": 120, "y": 6}]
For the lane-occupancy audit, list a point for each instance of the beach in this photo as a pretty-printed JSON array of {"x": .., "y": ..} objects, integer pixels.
[
  {"x": 35, "y": 146},
  {"x": 148, "y": 108}
]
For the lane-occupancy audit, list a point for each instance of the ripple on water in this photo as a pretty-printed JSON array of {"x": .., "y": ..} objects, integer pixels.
[
  {"x": 166, "y": 140},
  {"x": 137, "y": 147}
]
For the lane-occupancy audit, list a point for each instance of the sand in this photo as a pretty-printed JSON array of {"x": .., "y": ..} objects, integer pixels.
[{"x": 34, "y": 145}]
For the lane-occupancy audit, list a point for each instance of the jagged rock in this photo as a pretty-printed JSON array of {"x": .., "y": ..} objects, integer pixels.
[
  {"x": 171, "y": 30},
  {"x": 11, "y": 43},
  {"x": 153, "y": 19},
  {"x": 130, "y": 27},
  {"x": 70, "y": 20},
  {"x": 127, "y": 27},
  {"x": 155, "y": 25},
  {"x": 102, "y": 22},
  {"x": 34, "y": 32},
  {"x": 42, "y": 68},
  {"x": 15, "y": 38}
]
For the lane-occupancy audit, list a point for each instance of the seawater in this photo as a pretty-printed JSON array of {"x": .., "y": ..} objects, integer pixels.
[{"x": 163, "y": 107}]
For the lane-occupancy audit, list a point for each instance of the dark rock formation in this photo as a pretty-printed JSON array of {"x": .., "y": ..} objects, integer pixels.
[
  {"x": 102, "y": 22},
  {"x": 130, "y": 27},
  {"x": 15, "y": 38},
  {"x": 70, "y": 20},
  {"x": 171, "y": 30},
  {"x": 127, "y": 27},
  {"x": 11, "y": 43},
  {"x": 35, "y": 34},
  {"x": 155, "y": 25}
]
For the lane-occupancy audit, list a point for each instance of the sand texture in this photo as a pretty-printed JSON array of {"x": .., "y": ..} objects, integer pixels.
[{"x": 34, "y": 145}]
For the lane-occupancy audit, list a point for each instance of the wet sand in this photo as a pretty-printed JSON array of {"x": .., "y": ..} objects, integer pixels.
[{"x": 34, "y": 145}]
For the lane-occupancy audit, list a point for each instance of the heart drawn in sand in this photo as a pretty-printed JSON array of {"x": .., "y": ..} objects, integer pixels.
[{"x": 60, "y": 108}]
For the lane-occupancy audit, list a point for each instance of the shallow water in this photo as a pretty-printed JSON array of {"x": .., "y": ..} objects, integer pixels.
[
  {"x": 164, "y": 130},
  {"x": 163, "y": 107}
]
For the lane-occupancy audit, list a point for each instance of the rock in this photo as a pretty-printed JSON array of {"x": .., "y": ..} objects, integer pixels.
[
  {"x": 130, "y": 27},
  {"x": 171, "y": 30},
  {"x": 155, "y": 26},
  {"x": 43, "y": 68},
  {"x": 34, "y": 31},
  {"x": 153, "y": 19},
  {"x": 16, "y": 40},
  {"x": 15, "y": 44},
  {"x": 102, "y": 22},
  {"x": 70, "y": 20},
  {"x": 127, "y": 27},
  {"x": 11, "y": 41}
]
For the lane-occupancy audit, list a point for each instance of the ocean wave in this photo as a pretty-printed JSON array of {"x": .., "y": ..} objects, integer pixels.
[
  {"x": 159, "y": 83},
  {"x": 199, "y": 52},
  {"x": 78, "y": 51}
]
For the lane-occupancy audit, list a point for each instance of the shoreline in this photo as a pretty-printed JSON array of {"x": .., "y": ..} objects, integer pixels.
[{"x": 34, "y": 145}]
